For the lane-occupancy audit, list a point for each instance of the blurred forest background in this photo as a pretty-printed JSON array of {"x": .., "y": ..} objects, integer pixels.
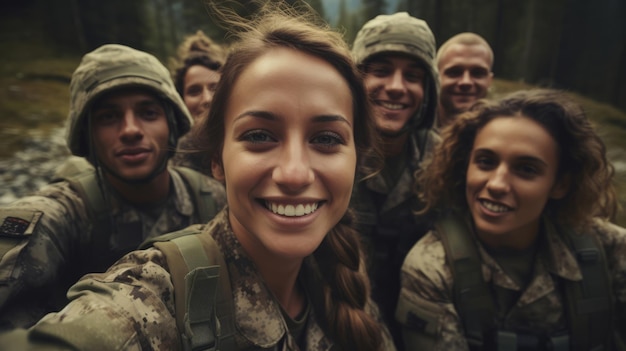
[{"x": 576, "y": 45}]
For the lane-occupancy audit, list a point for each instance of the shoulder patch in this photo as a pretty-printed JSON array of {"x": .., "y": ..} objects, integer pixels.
[{"x": 15, "y": 223}]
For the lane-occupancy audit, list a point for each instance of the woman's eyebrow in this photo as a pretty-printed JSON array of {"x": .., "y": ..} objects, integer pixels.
[
  {"x": 257, "y": 114},
  {"x": 331, "y": 118},
  {"x": 272, "y": 117},
  {"x": 533, "y": 159}
]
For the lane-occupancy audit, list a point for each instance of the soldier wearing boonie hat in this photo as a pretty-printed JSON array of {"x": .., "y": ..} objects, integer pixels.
[
  {"x": 112, "y": 67},
  {"x": 116, "y": 191},
  {"x": 396, "y": 55}
]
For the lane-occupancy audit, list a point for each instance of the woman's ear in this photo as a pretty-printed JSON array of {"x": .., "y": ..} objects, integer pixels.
[
  {"x": 561, "y": 187},
  {"x": 217, "y": 170}
]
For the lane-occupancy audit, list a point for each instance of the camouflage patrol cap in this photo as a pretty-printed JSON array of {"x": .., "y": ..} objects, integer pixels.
[
  {"x": 114, "y": 66},
  {"x": 399, "y": 32}
]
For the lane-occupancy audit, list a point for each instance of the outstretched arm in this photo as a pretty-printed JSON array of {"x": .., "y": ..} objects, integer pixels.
[
  {"x": 129, "y": 307},
  {"x": 38, "y": 235}
]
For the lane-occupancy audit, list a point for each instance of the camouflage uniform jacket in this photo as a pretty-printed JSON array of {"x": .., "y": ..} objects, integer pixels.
[
  {"x": 385, "y": 212},
  {"x": 387, "y": 223},
  {"x": 427, "y": 284},
  {"x": 131, "y": 306},
  {"x": 60, "y": 245}
]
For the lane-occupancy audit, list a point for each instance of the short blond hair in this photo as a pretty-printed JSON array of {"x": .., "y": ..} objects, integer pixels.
[{"x": 465, "y": 38}]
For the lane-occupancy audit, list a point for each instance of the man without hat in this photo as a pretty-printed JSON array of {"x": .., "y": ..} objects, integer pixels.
[{"x": 464, "y": 63}]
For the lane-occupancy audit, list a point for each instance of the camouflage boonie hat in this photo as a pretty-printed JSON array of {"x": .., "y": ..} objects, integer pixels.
[
  {"x": 114, "y": 66},
  {"x": 399, "y": 32}
]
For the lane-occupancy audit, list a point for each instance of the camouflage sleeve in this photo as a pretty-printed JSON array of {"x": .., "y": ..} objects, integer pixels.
[
  {"x": 129, "y": 307},
  {"x": 425, "y": 309},
  {"x": 614, "y": 239},
  {"x": 37, "y": 236}
]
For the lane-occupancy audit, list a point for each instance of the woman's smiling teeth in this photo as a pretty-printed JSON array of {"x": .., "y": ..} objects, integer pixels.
[
  {"x": 292, "y": 210},
  {"x": 494, "y": 207},
  {"x": 391, "y": 106}
]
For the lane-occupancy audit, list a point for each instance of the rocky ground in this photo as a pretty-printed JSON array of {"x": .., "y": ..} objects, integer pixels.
[{"x": 33, "y": 166}]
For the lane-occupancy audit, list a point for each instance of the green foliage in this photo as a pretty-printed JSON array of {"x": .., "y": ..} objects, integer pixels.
[
  {"x": 348, "y": 22},
  {"x": 565, "y": 43},
  {"x": 87, "y": 24},
  {"x": 306, "y": 5},
  {"x": 43, "y": 43},
  {"x": 372, "y": 8},
  {"x": 317, "y": 6},
  {"x": 403, "y": 6}
]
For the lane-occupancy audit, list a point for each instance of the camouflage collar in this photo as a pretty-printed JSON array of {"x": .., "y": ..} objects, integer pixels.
[
  {"x": 403, "y": 188},
  {"x": 258, "y": 316},
  {"x": 554, "y": 257},
  {"x": 560, "y": 260},
  {"x": 183, "y": 200}
]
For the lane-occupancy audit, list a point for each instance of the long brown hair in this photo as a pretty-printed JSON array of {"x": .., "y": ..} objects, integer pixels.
[
  {"x": 581, "y": 156},
  {"x": 339, "y": 258}
]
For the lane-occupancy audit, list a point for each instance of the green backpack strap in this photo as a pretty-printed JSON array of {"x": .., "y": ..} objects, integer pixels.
[
  {"x": 589, "y": 302},
  {"x": 204, "y": 316},
  {"x": 82, "y": 178},
  {"x": 71, "y": 167},
  {"x": 201, "y": 192},
  {"x": 81, "y": 175},
  {"x": 201, "y": 325},
  {"x": 472, "y": 297}
]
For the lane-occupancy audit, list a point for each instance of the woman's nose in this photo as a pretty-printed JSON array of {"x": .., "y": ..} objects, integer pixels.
[{"x": 294, "y": 171}]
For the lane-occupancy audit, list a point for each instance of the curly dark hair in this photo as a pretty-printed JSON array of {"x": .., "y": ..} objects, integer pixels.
[{"x": 581, "y": 154}]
